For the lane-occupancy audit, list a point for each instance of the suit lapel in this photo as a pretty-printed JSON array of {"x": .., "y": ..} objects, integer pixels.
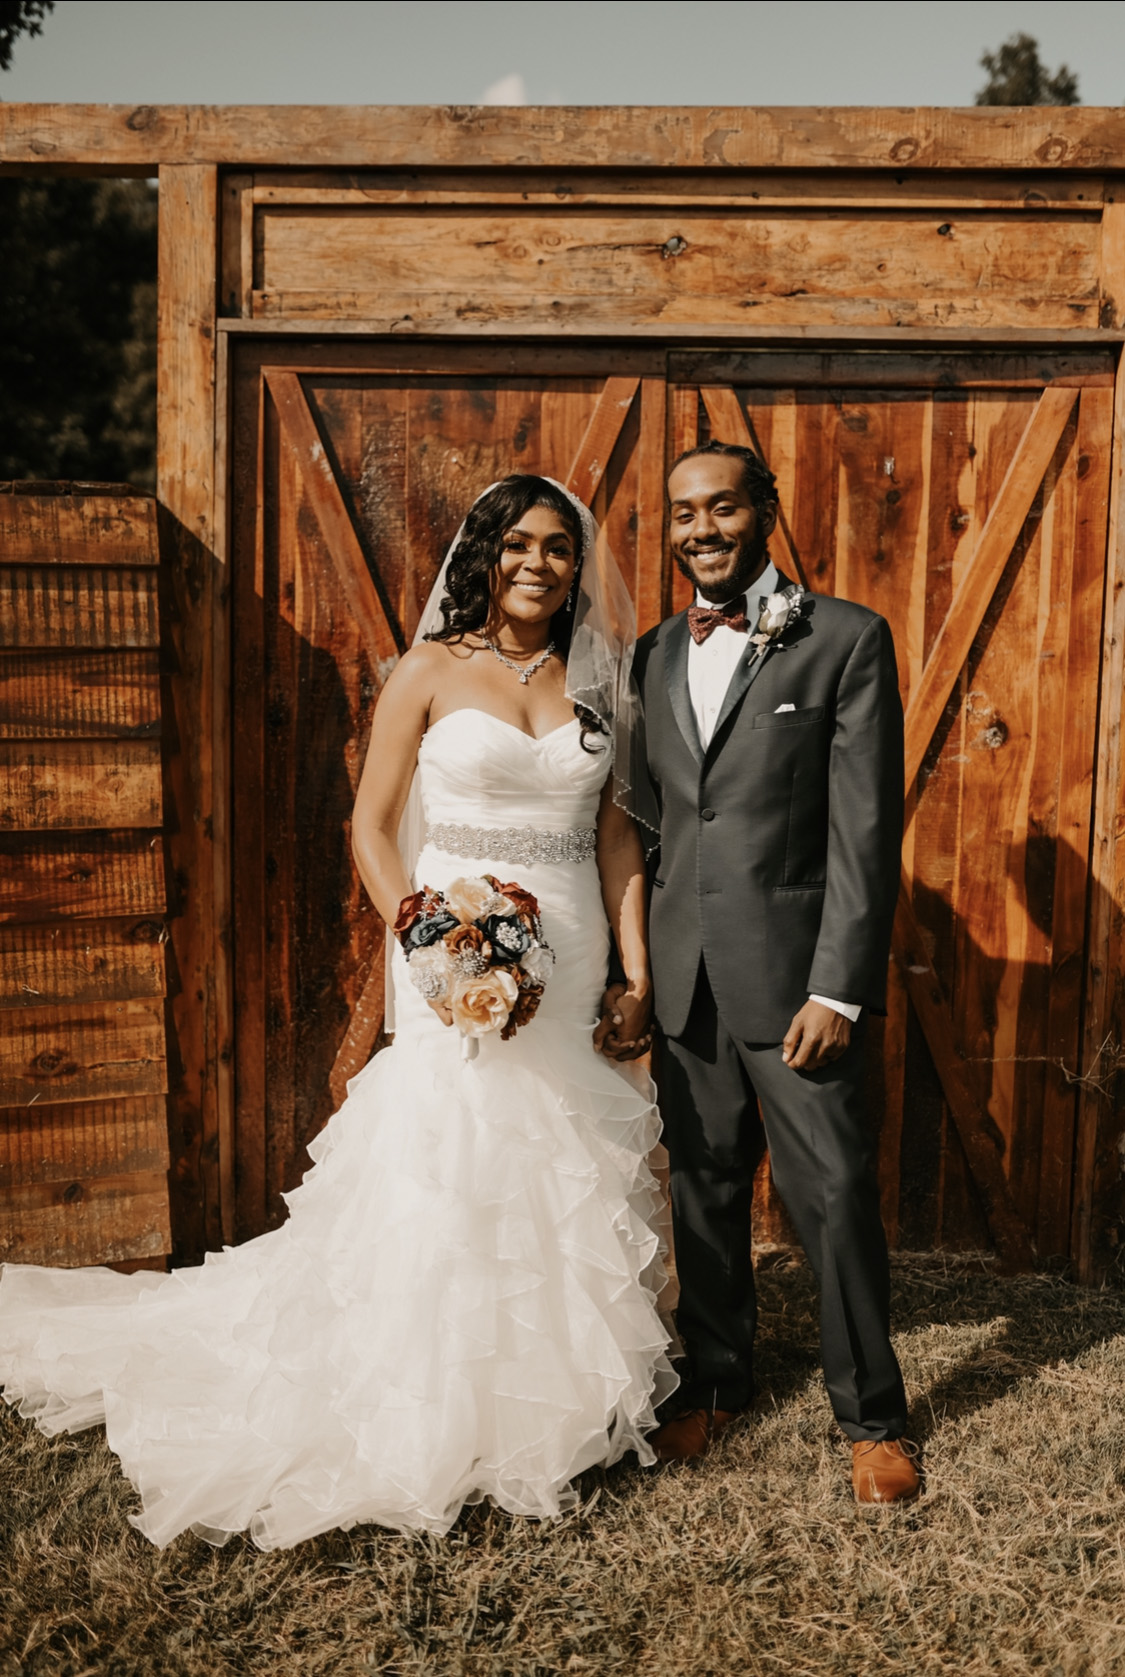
[
  {"x": 676, "y": 680},
  {"x": 746, "y": 673}
]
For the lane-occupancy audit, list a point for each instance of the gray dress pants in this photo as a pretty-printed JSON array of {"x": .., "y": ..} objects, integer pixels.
[{"x": 821, "y": 1158}]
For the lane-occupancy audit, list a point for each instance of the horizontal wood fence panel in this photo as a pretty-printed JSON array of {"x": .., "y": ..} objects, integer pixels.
[
  {"x": 92, "y": 1220},
  {"x": 100, "y": 783},
  {"x": 134, "y": 138},
  {"x": 74, "y": 695},
  {"x": 100, "y": 960},
  {"x": 78, "y": 530},
  {"x": 48, "y": 1144},
  {"x": 67, "y": 606},
  {"x": 51, "y": 877},
  {"x": 952, "y": 369},
  {"x": 725, "y": 265},
  {"x": 83, "y": 1053}
]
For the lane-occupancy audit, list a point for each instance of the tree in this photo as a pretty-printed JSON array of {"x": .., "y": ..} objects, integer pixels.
[
  {"x": 20, "y": 17},
  {"x": 78, "y": 330},
  {"x": 1017, "y": 76}
]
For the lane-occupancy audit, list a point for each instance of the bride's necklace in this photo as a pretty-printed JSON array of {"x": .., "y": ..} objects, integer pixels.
[{"x": 524, "y": 671}]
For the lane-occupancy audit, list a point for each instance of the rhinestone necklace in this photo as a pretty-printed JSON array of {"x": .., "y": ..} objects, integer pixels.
[{"x": 524, "y": 671}]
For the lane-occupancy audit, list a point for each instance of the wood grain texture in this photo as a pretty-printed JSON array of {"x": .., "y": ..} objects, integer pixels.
[
  {"x": 83, "y": 1053},
  {"x": 90, "y": 1220},
  {"x": 1098, "y": 1225},
  {"x": 64, "y": 606},
  {"x": 101, "y": 529},
  {"x": 65, "y": 783},
  {"x": 99, "y": 960},
  {"x": 76, "y": 695},
  {"x": 48, "y": 1144},
  {"x": 1005, "y": 520},
  {"x": 760, "y": 268},
  {"x": 51, "y": 876},
  {"x": 594, "y": 451},
  {"x": 196, "y": 786},
  {"x": 135, "y": 138}
]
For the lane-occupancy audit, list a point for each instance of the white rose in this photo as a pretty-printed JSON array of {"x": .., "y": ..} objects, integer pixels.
[
  {"x": 775, "y": 615},
  {"x": 538, "y": 963},
  {"x": 430, "y": 971}
]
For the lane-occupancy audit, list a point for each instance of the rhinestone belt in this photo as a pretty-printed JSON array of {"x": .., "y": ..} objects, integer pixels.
[{"x": 520, "y": 845}]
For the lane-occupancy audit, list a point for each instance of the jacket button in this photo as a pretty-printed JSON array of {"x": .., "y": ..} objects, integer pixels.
[{"x": 707, "y": 814}]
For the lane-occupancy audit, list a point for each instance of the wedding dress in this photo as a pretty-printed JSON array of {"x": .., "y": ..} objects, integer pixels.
[{"x": 462, "y": 1303}]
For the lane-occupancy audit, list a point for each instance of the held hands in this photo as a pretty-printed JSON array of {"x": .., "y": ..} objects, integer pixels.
[
  {"x": 624, "y": 1031},
  {"x": 817, "y": 1036}
]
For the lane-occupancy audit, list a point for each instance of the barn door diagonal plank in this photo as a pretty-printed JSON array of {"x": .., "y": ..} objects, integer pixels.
[
  {"x": 596, "y": 448},
  {"x": 728, "y": 419},
  {"x": 300, "y": 429},
  {"x": 982, "y": 574}
]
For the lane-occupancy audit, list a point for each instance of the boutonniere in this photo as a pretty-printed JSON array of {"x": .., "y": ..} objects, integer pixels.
[{"x": 777, "y": 612}]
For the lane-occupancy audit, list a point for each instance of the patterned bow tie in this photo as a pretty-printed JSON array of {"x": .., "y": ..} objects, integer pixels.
[{"x": 702, "y": 620}]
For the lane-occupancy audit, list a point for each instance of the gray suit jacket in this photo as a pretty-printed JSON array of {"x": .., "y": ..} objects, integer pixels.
[{"x": 780, "y": 844}]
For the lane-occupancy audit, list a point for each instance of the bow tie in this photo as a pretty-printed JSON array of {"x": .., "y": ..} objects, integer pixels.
[{"x": 703, "y": 620}]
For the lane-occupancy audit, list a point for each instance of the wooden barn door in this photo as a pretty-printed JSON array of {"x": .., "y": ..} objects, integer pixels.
[
  {"x": 966, "y": 499},
  {"x": 343, "y": 512}
]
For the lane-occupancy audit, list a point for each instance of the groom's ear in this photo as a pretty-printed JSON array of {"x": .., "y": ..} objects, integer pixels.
[{"x": 767, "y": 518}]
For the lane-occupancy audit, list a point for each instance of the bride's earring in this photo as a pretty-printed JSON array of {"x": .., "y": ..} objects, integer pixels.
[{"x": 570, "y": 595}]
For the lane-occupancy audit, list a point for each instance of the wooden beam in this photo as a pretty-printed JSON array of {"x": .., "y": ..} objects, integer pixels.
[
  {"x": 112, "y": 138},
  {"x": 1098, "y": 1217},
  {"x": 729, "y": 423},
  {"x": 193, "y": 615},
  {"x": 343, "y": 546},
  {"x": 594, "y": 451},
  {"x": 983, "y": 572},
  {"x": 974, "y": 1128}
]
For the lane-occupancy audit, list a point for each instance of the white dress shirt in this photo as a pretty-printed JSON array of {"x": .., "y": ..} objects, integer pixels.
[{"x": 711, "y": 666}]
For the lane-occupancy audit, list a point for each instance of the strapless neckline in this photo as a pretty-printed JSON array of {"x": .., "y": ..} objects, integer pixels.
[{"x": 474, "y": 710}]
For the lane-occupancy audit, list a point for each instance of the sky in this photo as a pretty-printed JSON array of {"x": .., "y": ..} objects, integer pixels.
[{"x": 580, "y": 52}]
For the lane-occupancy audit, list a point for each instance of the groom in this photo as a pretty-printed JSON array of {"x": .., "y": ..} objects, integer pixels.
[{"x": 775, "y": 748}]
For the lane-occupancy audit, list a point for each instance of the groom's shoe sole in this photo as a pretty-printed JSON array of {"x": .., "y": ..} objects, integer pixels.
[
  {"x": 690, "y": 1435},
  {"x": 883, "y": 1470}
]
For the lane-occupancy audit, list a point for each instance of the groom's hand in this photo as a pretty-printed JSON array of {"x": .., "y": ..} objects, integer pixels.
[
  {"x": 623, "y": 1032},
  {"x": 817, "y": 1036}
]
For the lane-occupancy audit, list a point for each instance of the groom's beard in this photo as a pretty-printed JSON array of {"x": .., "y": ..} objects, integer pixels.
[{"x": 751, "y": 561}]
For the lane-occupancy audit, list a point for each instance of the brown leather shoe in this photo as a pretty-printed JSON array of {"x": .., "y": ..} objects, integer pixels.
[
  {"x": 691, "y": 1434},
  {"x": 883, "y": 1470}
]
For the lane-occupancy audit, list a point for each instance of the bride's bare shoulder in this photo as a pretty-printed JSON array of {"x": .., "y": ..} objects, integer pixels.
[{"x": 420, "y": 671}]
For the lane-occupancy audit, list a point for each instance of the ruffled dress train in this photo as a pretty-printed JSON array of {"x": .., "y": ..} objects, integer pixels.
[{"x": 462, "y": 1303}]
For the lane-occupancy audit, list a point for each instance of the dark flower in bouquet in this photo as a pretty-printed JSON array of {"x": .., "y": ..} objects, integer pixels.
[{"x": 478, "y": 947}]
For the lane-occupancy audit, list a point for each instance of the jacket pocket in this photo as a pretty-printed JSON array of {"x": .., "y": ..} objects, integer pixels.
[{"x": 788, "y": 718}]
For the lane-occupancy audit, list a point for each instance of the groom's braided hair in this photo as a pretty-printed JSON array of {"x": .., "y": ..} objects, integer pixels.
[
  {"x": 761, "y": 485},
  {"x": 468, "y": 597}
]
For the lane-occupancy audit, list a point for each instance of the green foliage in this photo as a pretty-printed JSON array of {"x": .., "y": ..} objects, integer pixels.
[
  {"x": 20, "y": 17},
  {"x": 78, "y": 330},
  {"x": 1017, "y": 76}
]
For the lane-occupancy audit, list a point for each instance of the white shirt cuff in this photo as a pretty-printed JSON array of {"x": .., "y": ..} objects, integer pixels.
[{"x": 848, "y": 1009}]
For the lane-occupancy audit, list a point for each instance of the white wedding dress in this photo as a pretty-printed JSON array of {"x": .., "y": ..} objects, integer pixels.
[{"x": 462, "y": 1303}]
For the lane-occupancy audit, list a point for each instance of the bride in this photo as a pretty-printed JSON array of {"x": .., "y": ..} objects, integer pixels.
[{"x": 462, "y": 1302}]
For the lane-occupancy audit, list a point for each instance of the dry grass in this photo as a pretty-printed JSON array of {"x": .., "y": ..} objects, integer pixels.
[{"x": 755, "y": 1562}]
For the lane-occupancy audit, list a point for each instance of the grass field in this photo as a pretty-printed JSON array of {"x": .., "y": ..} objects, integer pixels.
[{"x": 757, "y": 1561}]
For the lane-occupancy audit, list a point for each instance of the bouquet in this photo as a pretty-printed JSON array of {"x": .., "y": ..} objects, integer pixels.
[{"x": 478, "y": 946}]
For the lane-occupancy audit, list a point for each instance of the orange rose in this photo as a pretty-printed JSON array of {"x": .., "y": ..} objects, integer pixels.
[
  {"x": 482, "y": 1005},
  {"x": 468, "y": 940},
  {"x": 408, "y": 911}
]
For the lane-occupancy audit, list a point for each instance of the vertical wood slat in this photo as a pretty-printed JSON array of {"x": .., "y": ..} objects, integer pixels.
[
  {"x": 1079, "y": 712},
  {"x": 684, "y": 435},
  {"x": 196, "y": 774},
  {"x": 650, "y": 505},
  {"x": 1098, "y": 1220}
]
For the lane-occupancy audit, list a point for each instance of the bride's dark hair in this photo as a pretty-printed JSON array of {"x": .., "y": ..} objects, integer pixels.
[{"x": 468, "y": 595}]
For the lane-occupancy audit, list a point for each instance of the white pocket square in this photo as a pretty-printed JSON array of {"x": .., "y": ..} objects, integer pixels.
[{"x": 780, "y": 708}]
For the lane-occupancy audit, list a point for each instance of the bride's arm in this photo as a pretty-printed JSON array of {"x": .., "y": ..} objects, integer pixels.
[
  {"x": 400, "y": 721},
  {"x": 621, "y": 865}
]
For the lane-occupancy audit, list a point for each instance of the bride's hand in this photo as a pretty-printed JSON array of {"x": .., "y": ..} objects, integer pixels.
[
  {"x": 624, "y": 1031},
  {"x": 443, "y": 1012}
]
